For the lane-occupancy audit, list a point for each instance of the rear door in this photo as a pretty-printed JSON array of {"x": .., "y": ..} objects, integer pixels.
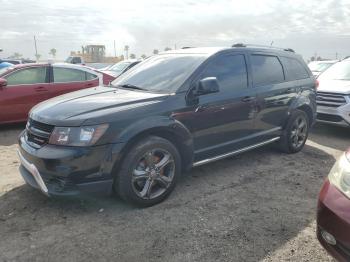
[
  {"x": 274, "y": 94},
  {"x": 25, "y": 88},
  {"x": 65, "y": 80}
]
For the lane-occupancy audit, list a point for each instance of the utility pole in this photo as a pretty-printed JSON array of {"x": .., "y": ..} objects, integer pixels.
[
  {"x": 115, "y": 53},
  {"x": 36, "y": 49}
]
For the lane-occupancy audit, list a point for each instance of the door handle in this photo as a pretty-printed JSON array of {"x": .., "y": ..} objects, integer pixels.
[
  {"x": 247, "y": 99},
  {"x": 40, "y": 89}
]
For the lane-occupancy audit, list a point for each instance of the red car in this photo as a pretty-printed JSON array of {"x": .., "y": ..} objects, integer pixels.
[
  {"x": 25, "y": 85},
  {"x": 333, "y": 214}
]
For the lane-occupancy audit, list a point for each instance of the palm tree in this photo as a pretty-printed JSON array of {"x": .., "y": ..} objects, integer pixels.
[
  {"x": 132, "y": 56},
  {"x": 167, "y": 49},
  {"x": 53, "y": 52},
  {"x": 143, "y": 56},
  {"x": 155, "y": 51},
  {"x": 37, "y": 56},
  {"x": 16, "y": 55}
]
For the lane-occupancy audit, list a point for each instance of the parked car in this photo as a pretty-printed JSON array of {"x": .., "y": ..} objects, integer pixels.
[
  {"x": 121, "y": 67},
  {"x": 23, "y": 86},
  {"x": 4, "y": 64},
  {"x": 333, "y": 95},
  {"x": 333, "y": 213},
  {"x": 173, "y": 111},
  {"x": 317, "y": 67}
]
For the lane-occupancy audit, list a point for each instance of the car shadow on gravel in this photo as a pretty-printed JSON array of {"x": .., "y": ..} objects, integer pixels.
[
  {"x": 238, "y": 209},
  {"x": 9, "y": 133},
  {"x": 331, "y": 136}
]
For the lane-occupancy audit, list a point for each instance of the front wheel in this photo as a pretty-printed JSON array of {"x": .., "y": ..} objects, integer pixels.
[
  {"x": 296, "y": 132},
  {"x": 149, "y": 172}
]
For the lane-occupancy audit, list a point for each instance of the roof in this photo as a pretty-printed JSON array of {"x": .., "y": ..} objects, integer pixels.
[{"x": 212, "y": 50}]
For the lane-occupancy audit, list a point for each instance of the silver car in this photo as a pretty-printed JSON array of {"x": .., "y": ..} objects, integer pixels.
[{"x": 333, "y": 95}]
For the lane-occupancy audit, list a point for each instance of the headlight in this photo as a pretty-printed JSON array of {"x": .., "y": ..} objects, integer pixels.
[
  {"x": 77, "y": 136},
  {"x": 340, "y": 174}
]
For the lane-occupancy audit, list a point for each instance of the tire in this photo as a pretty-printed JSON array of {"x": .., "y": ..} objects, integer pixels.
[
  {"x": 141, "y": 180},
  {"x": 293, "y": 139}
]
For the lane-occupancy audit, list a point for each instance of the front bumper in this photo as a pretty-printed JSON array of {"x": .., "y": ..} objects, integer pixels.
[
  {"x": 333, "y": 216},
  {"x": 67, "y": 171},
  {"x": 335, "y": 116}
]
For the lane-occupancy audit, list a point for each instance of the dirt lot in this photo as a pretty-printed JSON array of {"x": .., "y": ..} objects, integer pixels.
[{"x": 258, "y": 206}]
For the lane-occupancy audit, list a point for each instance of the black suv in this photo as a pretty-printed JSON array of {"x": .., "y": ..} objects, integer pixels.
[{"x": 173, "y": 111}]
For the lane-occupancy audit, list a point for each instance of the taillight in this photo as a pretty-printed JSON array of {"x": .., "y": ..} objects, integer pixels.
[{"x": 317, "y": 83}]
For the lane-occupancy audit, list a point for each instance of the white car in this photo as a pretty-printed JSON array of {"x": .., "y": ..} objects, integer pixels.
[
  {"x": 333, "y": 95},
  {"x": 317, "y": 67}
]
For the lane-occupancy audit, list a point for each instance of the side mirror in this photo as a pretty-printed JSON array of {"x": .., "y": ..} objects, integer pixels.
[
  {"x": 207, "y": 85},
  {"x": 3, "y": 82}
]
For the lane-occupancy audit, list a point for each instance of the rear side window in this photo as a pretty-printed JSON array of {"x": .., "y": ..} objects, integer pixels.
[
  {"x": 230, "y": 71},
  {"x": 266, "y": 70},
  {"x": 294, "y": 69},
  {"x": 63, "y": 75},
  {"x": 34, "y": 75}
]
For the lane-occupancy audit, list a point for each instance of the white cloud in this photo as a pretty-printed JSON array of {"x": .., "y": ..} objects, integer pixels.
[{"x": 320, "y": 26}]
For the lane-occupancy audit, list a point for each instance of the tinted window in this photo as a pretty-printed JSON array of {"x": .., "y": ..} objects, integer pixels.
[
  {"x": 293, "y": 69},
  {"x": 230, "y": 71},
  {"x": 27, "y": 76},
  {"x": 161, "y": 73},
  {"x": 266, "y": 70},
  {"x": 63, "y": 75}
]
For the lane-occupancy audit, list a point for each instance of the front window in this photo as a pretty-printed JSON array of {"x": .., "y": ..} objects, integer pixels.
[
  {"x": 161, "y": 73},
  {"x": 64, "y": 75},
  {"x": 339, "y": 71}
]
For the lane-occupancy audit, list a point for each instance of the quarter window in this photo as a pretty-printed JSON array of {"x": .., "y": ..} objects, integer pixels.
[
  {"x": 34, "y": 75},
  {"x": 266, "y": 70},
  {"x": 63, "y": 75},
  {"x": 294, "y": 69},
  {"x": 230, "y": 71}
]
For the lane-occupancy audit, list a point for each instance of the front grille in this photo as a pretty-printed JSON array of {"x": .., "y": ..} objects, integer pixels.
[
  {"x": 330, "y": 99},
  {"x": 329, "y": 118},
  {"x": 37, "y": 133}
]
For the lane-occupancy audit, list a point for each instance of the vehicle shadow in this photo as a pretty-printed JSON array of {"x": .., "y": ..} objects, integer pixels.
[
  {"x": 331, "y": 136},
  {"x": 9, "y": 133},
  {"x": 237, "y": 209}
]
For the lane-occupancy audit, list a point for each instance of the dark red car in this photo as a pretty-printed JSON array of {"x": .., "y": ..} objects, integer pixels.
[
  {"x": 25, "y": 85},
  {"x": 333, "y": 214}
]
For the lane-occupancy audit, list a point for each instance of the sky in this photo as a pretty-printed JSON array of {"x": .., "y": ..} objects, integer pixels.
[{"x": 309, "y": 27}]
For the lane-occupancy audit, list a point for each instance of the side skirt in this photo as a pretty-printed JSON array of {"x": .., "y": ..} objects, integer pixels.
[{"x": 244, "y": 149}]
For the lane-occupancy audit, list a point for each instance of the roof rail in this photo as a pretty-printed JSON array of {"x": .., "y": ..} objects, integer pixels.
[
  {"x": 263, "y": 46},
  {"x": 186, "y": 47}
]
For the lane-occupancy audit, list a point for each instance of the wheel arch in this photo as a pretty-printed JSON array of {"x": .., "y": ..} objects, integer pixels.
[{"x": 167, "y": 128}]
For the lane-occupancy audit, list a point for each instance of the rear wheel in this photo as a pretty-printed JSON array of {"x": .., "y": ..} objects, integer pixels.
[
  {"x": 149, "y": 172},
  {"x": 296, "y": 132}
]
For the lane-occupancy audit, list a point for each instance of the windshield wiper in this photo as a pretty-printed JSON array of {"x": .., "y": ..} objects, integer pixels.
[{"x": 131, "y": 86}]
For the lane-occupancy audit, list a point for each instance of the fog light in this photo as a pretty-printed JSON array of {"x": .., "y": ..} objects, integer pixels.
[{"x": 328, "y": 238}]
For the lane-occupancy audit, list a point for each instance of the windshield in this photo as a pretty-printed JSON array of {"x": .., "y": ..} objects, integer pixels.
[
  {"x": 119, "y": 67},
  {"x": 339, "y": 71},
  {"x": 319, "y": 67},
  {"x": 161, "y": 73}
]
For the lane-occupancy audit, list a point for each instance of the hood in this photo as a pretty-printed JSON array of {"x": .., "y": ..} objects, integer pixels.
[
  {"x": 334, "y": 86},
  {"x": 74, "y": 108}
]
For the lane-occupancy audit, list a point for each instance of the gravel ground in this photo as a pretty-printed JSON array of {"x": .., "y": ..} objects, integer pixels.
[{"x": 258, "y": 206}]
